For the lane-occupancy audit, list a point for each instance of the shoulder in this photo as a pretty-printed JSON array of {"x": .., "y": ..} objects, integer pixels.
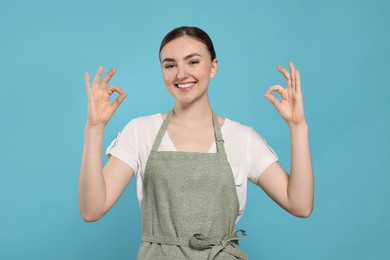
[
  {"x": 145, "y": 120},
  {"x": 240, "y": 136},
  {"x": 143, "y": 125},
  {"x": 233, "y": 128}
]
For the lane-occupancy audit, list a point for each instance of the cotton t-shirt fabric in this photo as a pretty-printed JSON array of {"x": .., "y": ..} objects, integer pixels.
[{"x": 247, "y": 152}]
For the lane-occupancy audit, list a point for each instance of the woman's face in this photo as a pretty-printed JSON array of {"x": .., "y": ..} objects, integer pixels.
[{"x": 187, "y": 69}]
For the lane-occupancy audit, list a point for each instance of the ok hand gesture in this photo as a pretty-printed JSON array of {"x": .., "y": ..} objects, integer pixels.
[
  {"x": 291, "y": 106},
  {"x": 100, "y": 110}
]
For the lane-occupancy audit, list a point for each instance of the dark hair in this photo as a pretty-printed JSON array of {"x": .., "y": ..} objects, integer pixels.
[{"x": 194, "y": 32}]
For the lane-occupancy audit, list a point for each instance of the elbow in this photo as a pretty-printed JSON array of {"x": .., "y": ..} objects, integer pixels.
[
  {"x": 89, "y": 217},
  {"x": 302, "y": 212},
  {"x": 91, "y": 212}
]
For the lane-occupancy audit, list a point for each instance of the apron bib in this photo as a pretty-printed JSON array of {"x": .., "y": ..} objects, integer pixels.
[{"x": 190, "y": 204}]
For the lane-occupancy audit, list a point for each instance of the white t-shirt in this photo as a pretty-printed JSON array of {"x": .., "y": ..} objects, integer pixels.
[{"x": 248, "y": 154}]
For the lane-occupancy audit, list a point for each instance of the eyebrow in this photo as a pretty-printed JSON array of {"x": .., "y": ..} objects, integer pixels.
[{"x": 189, "y": 56}]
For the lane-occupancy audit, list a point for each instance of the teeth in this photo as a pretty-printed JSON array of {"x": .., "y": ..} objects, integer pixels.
[{"x": 186, "y": 85}]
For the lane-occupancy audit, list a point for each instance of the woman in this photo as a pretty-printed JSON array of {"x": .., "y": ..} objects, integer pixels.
[{"x": 191, "y": 195}]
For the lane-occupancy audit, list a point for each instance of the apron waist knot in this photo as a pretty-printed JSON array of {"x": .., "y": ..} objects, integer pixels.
[{"x": 201, "y": 242}]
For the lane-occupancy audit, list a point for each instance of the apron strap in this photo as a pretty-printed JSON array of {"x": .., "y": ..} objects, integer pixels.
[
  {"x": 164, "y": 126},
  {"x": 162, "y": 131},
  {"x": 218, "y": 135}
]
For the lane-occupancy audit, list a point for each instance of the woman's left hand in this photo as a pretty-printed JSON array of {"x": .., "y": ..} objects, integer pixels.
[{"x": 291, "y": 106}]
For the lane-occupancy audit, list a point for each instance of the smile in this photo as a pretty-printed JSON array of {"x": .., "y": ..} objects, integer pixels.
[{"x": 185, "y": 85}]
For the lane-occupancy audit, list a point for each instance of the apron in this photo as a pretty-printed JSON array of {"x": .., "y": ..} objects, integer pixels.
[{"x": 190, "y": 204}]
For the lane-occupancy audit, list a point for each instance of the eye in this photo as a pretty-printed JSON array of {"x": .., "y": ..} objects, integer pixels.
[
  {"x": 169, "y": 66},
  {"x": 194, "y": 62}
]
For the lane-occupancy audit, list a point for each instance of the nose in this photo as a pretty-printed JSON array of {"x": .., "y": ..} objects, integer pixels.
[{"x": 181, "y": 73}]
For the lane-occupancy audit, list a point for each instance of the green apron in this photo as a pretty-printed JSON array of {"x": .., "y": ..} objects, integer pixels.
[{"x": 190, "y": 204}]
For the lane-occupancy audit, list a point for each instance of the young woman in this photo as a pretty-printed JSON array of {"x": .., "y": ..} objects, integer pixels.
[{"x": 192, "y": 165}]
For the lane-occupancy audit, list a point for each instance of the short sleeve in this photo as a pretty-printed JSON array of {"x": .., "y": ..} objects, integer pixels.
[
  {"x": 124, "y": 146},
  {"x": 260, "y": 156}
]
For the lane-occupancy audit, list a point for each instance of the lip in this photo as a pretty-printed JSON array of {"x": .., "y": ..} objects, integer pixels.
[{"x": 184, "y": 87}]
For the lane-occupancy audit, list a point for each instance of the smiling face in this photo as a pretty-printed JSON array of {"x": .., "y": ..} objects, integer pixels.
[{"x": 187, "y": 69}]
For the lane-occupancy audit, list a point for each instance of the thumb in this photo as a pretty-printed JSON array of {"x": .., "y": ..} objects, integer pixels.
[
  {"x": 118, "y": 101},
  {"x": 274, "y": 101}
]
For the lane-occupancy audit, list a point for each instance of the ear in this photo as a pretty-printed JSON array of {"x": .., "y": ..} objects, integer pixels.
[{"x": 214, "y": 68}]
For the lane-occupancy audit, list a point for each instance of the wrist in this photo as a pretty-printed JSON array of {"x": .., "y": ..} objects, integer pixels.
[
  {"x": 94, "y": 128},
  {"x": 297, "y": 126}
]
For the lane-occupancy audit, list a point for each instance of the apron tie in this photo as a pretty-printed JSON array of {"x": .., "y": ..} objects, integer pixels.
[{"x": 201, "y": 242}]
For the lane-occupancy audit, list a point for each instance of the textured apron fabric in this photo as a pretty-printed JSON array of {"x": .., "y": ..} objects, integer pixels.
[{"x": 190, "y": 204}]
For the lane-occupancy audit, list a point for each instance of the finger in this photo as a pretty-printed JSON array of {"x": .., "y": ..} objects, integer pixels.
[
  {"x": 276, "y": 88},
  {"x": 96, "y": 79},
  {"x": 111, "y": 89},
  {"x": 87, "y": 81},
  {"x": 108, "y": 77},
  {"x": 292, "y": 67},
  {"x": 274, "y": 101},
  {"x": 118, "y": 101},
  {"x": 293, "y": 80},
  {"x": 298, "y": 82},
  {"x": 286, "y": 75},
  {"x": 268, "y": 95}
]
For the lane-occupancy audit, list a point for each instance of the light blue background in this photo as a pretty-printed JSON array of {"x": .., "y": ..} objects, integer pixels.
[{"x": 340, "y": 47}]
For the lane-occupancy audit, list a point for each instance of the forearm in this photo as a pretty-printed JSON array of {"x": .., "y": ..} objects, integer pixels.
[
  {"x": 92, "y": 190},
  {"x": 301, "y": 181}
]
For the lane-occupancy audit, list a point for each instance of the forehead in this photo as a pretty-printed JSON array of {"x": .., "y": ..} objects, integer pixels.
[{"x": 183, "y": 46}]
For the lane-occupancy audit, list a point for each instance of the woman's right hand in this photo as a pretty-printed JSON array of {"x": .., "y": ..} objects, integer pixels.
[{"x": 100, "y": 110}]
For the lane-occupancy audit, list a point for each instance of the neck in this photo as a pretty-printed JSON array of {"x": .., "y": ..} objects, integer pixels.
[{"x": 193, "y": 113}]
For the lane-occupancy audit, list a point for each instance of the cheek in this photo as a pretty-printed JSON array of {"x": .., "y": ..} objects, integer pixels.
[
  {"x": 204, "y": 72},
  {"x": 167, "y": 77}
]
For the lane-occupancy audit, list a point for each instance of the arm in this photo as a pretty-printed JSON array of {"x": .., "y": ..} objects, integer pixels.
[
  {"x": 295, "y": 193},
  {"x": 100, "y": 188}
]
